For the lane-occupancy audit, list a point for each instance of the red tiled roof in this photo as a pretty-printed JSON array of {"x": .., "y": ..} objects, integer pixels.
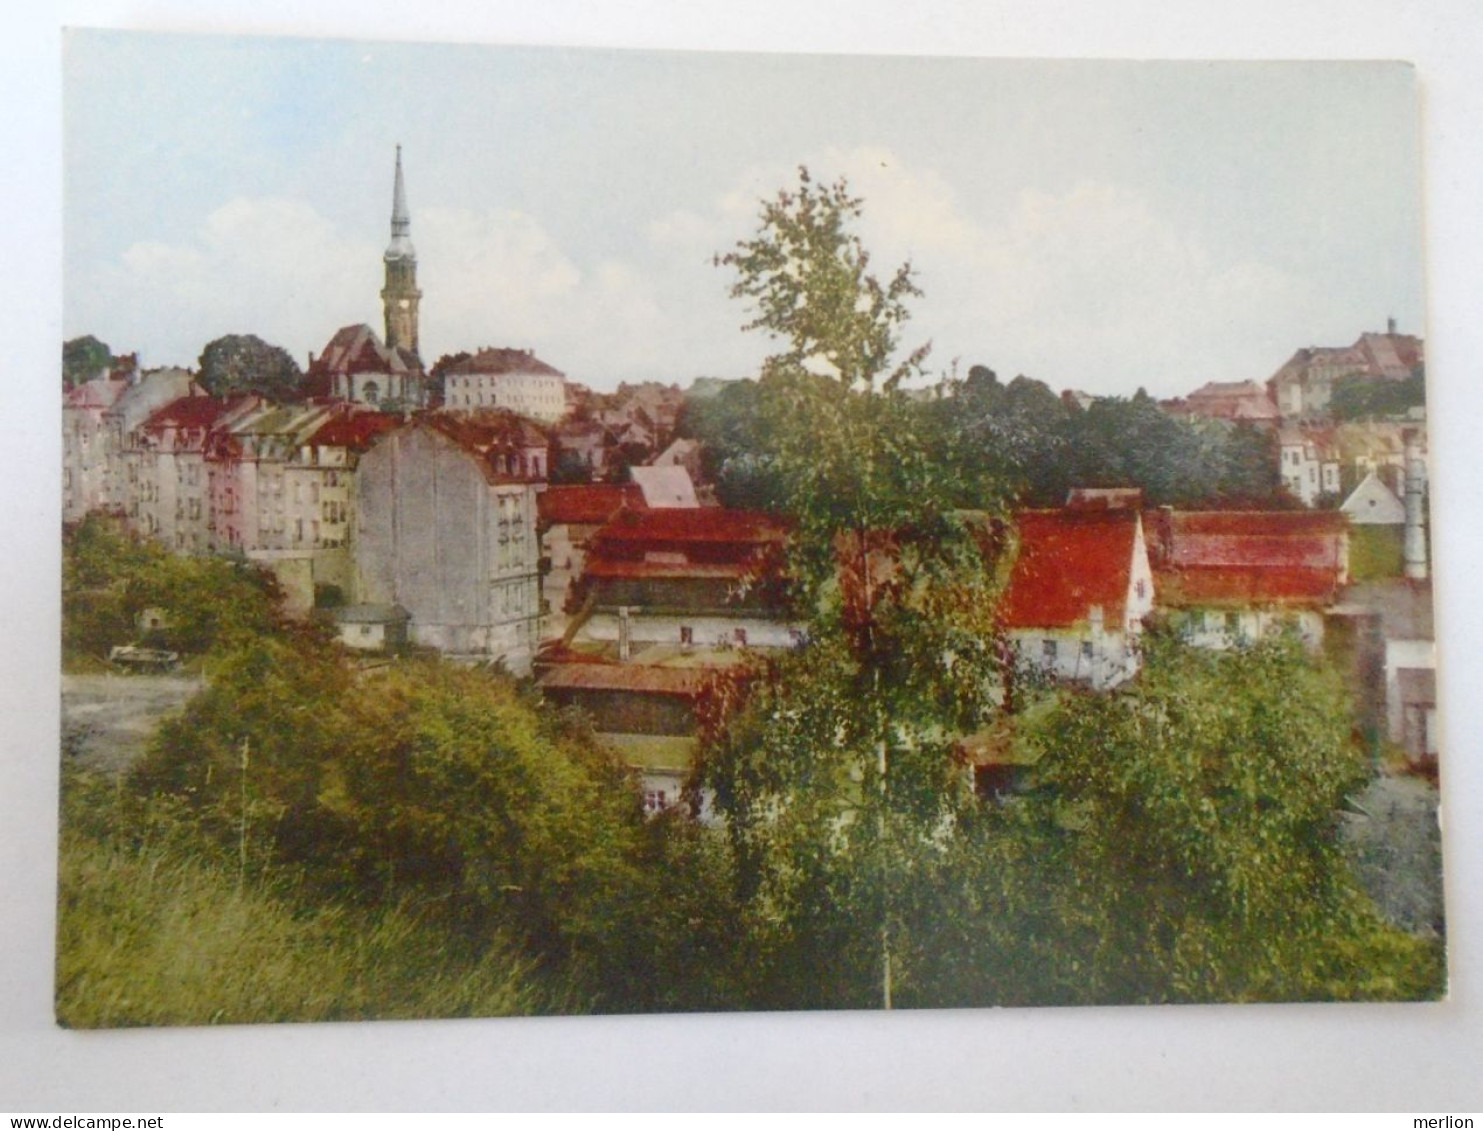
[
  {"x": 191, "y": 412},
  {"x": 491, "y": 360},
  {"x": 1246, "y": 557},
  {"x": 1069, "y": 561},
  {"x": 693, "y": 524},
  {"x": 586, "y": 503},
  {"x": 353, "y": 429},
  {"x": 688, "y": 682}
]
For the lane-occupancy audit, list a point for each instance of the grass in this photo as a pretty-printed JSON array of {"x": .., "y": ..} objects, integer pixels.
[{"x": 154, "y": 935}]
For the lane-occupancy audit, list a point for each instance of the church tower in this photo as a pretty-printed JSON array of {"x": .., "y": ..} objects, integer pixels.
[{"x": 400, "y": 295}]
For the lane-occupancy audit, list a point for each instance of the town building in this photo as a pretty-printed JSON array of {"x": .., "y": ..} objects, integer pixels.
[
  {"x": 581, "y": 447},
  {"x": 445, "y": 520},
  {"x": 371, "y": 628},
  {"x": 1231, "y": 400},
  {"x": 1309, "y": 462},
  {"x": 1304, "y": 384},
  {"x": 569, "y": 516},
  {"x": 355, "y": 365},
  {"x": 665, "y": 487},
  {"x": 400, "y": 298},
  {"x": 511, "y": 379},
  {"x": 668, "y": 604},
  {"x": 172, "y": 487},
  {"x": 122, "y": 489},
  {"x": 1079, "y": 588},
  {"x": 1227, "y": 578},
  {"x": 84, "y": 440}
]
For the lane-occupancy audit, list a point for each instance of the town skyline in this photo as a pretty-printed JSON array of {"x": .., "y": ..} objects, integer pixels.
[{"x": 271, "y": 215}]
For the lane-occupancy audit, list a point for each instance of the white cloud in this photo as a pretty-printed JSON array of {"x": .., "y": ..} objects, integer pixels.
[{"x": 1087, "y": 287}]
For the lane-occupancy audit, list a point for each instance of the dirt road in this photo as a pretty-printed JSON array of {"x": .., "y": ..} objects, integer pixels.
[{"x": 107, "y": 720}]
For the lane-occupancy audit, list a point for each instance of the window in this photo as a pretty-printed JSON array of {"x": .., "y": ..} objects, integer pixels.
[
  {"x": 740, "y": 636},
  {"x": 1086, "y": 650},
  {"x": 1141, "y": 588},
  {"x": 1233, "y": 623},
  {"x": 655, "y": 800},
  {"x": 365, "y": 630},
  {"x": 687, "y": 635},
  {"x": 1048, "y": 651}
]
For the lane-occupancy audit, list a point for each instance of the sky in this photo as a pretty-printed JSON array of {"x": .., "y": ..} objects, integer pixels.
[{"x": 1103, "y": 226}]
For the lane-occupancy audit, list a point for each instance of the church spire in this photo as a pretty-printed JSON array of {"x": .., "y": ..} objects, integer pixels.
[
  {"x": 400, "y": 296},
  {"x": 401, "y": 222}
]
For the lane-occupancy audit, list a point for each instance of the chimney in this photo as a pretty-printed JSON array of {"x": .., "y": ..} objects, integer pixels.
[
  {"x": 1390, "y": 325},
  {"x": 1164, "y": 536},
  {"x": 1415, "y": 540},
  {"x": 625, "y": 642}
]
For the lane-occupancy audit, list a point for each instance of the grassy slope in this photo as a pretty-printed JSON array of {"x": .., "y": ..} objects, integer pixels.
[{"x": 152, "y": 936}]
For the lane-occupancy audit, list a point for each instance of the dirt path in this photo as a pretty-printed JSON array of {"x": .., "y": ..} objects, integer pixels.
[{"x": 107, "y": 720}]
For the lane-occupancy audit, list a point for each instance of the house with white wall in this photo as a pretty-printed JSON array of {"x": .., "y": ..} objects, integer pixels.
[{"x": 1078, "y": 590}]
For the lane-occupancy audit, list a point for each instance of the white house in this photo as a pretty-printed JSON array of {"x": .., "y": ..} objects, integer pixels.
[
  {"x": 1372, "y": 503},
  {"x": 510, "y": 379},
  {"x": 1309, "y": 462},
  {"x": 1078, "y": 591}
]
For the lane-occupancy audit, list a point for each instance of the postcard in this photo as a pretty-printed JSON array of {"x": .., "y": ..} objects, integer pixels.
[{"x": 556, "y": 531}]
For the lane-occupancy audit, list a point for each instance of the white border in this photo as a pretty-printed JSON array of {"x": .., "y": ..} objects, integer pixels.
[{"x": 1411, "y": 1058}]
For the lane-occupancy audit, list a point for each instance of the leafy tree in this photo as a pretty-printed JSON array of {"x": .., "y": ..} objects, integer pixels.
[
  {"x": 82, "y": 359},
  {"x": 1357, "y": 397},
  {"x": 244, "y": 363},
  {"x": 1191, "y": 827},
  {"x": 734, "y": 445},
  {"x": 451, "y": 790},
  {"x": 209, "y": 604},
  {"x": 833, "y": 769}
]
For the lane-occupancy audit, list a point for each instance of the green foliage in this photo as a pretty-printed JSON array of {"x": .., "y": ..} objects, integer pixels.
[
  {"x": 808, "y": 278},
  {"x": 1357, "y": 398},
  {"x": 1043, "y": 445},
  {"x": 735, "y": 445},
  {"x": 445, "y": 787},
  {"x": 1376, "y": 552},
  {"x": 109, "y": 578},
  {"x": 833, "y": 768},
  {"x": 244, "y": 363},
  {"x": 83, "y": 359},
  {"x": 1197, "y": 812},
  {"x": 154, "y": 931}
]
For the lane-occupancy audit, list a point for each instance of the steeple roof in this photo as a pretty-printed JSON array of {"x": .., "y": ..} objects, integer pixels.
[{"x": 401, "y": 221}]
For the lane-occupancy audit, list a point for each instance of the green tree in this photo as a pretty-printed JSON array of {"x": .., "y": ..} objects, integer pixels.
[
  {"x": 451, "y": 790},
  {"x": 82, "y": 359},
  {"x": 834, "y": 767},
  {"x": 209, "y": 604},
  {"x": 1190, "y": 825},
  {"x": 244, "y": 363}
]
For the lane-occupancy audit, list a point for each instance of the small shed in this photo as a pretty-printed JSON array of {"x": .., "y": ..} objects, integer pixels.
[{"x": 372, "y": 628}]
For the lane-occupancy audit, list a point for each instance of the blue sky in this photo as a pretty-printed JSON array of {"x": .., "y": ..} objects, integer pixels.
[{"x": 1098, "y": 225}]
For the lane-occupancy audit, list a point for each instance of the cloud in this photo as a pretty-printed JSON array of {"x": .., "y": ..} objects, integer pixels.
[
  {"x": 269, "y": 266},
  {"x": 1088, "y": 286}
]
